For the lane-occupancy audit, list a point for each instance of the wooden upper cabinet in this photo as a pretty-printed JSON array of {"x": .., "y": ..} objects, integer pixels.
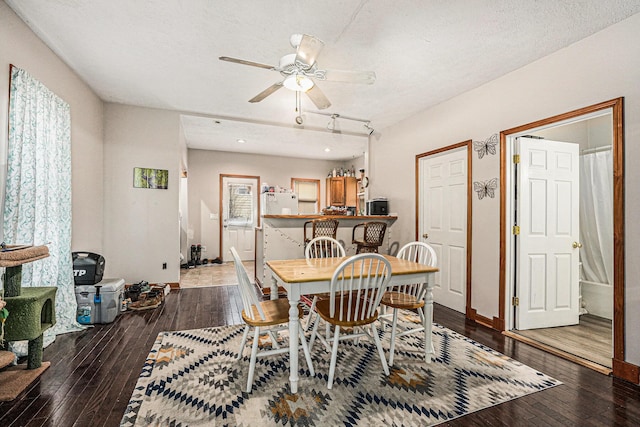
[
  {"x": 342, "y": 191},
  {"x": 351, "y": 191}
]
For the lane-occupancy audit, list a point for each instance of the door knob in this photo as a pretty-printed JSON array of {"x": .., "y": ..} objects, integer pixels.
[
  {"x": 425, "y": 235},
  {"x": 576, "y": 245}
]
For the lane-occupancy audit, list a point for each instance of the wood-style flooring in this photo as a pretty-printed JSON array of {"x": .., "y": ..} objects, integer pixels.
[
  {"x": 93, "y": 372},
  {"x": 591, "y": 339}
]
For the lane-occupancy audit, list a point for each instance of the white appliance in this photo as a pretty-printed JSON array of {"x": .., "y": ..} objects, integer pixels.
[{"x": 278, "y": 204}]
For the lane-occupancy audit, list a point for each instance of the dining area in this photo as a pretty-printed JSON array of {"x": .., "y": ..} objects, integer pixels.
[
  {"x": 332, "y": 298},
  {"x": 341, "y": 339}
]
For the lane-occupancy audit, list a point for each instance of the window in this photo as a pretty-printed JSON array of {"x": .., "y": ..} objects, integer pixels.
[
  {"x": 240, "y": 204},
  {"x": 308, "y": 192}
]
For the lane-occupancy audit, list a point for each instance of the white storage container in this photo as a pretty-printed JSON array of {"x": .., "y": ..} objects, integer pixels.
[{"x": 103, "y": 309}]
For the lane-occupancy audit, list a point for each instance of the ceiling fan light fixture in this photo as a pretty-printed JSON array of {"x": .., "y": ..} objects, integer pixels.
[
  {"x": 298, "y": 82},
  {"x": 295, "y": 40}
]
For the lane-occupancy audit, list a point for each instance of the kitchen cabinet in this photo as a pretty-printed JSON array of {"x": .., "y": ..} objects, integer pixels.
[{"x": 342, "y": 191}]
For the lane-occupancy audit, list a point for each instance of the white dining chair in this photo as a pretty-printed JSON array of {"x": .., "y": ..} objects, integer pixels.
[
  {"x": 265, "y": 317},
  {"x": 357, "y": 286},
  {"x": 408, "y": 297},
  {"x": 320, "y": 247}
]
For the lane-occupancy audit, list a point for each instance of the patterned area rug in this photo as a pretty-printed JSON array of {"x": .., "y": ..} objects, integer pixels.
[{"x": 193, "y": 378}]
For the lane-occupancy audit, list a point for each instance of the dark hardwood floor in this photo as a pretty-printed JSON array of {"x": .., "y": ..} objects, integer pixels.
[{"x": 93, "y": 372}]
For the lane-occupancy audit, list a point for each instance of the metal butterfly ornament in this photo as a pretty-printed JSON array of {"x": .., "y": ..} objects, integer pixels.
[
  {"x": 487, "y": 146},
  {"x": 486, "y": 188}
]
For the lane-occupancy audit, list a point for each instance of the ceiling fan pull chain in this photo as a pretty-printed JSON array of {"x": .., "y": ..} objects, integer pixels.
[{"x": 298, "y": 109}]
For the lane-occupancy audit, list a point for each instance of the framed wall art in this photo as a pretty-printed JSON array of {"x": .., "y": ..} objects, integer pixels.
[{"x": 150, "y": 178}]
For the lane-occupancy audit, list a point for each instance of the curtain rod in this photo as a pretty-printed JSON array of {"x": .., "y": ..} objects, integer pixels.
[{"x": 596, "y": 150}]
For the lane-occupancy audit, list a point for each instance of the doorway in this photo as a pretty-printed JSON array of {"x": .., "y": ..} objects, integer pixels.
[
  {"x": 444, "y": 220},
  {"x": 516, "y": 298},
  {"x": 239, "y": 207},
  {"x": 545, "y": 213}
]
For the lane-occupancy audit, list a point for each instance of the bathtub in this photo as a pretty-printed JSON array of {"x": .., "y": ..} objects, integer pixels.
[{"x": 597, "y": 298}]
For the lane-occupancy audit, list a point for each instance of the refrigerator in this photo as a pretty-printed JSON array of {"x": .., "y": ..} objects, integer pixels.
[{"x": 278, "y": 204}]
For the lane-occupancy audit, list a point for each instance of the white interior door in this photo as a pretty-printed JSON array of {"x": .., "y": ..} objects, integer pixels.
[
  {"x": 443, "y": 222},
  {"x": 547, "y": 282},
  {"x": 239, "y": 216}
]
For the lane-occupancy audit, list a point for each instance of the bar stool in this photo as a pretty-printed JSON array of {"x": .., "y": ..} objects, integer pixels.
[
  {"x": 372, "y": 236},
  {"x": 322, "y": 227}
]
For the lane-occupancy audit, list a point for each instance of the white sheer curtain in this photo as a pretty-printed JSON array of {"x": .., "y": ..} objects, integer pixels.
[
  {"x": 596, "y": 216},
  {"x": 37, "y": 208}
]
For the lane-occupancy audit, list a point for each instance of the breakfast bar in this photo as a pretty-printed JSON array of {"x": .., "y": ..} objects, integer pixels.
[{"x": 282, "y": 237}]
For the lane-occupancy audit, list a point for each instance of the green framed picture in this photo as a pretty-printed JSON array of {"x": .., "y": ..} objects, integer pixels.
[{"x": 150, "y": 178}]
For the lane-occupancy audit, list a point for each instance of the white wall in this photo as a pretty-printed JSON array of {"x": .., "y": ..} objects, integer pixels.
[
  {"x": 141, "y": 225},
  {"x": 20, "y": 46},
  {"x": 205, "y": 168},
  {"x": 599, "y": 68},
  {"x": 591, "y": 133}
]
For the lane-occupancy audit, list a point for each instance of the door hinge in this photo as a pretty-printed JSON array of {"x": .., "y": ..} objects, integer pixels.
[
  {"x": 516, "y": 230},
  {"x": 516, "y": 158},
  {"x": 515, "y": 301}
]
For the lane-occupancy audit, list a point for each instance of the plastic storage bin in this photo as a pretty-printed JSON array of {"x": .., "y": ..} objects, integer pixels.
[{"x": 102, "y": 307}]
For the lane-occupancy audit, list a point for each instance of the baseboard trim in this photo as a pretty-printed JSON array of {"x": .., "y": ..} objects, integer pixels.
[
  {"x": 472, "y": 314},
  {"x": 568, "y": 356},
  {"x": 627, "y": 371},
  {"x": 484, "y": 321}
]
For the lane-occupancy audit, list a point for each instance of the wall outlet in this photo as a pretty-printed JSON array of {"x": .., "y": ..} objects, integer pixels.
[
  {"x": 164, "y": 265},
  {"x": 213, "y": 216},
  {"x": 204, "y": 248}
]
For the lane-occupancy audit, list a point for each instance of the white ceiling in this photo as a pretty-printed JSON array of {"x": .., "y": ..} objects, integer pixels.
[{"x": 164, "y": 54}]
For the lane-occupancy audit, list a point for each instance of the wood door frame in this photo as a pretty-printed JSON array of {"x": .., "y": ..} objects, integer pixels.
[
  {"x": 621, "y": 368},
  {"x": 220, "y": 205},
  {"x": 470, "y": 313}
]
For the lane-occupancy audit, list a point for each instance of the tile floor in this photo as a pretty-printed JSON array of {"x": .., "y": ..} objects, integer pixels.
[{"x": 213, "y": 275}]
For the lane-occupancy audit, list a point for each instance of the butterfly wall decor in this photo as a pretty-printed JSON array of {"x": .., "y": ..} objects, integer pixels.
[
  {"x": 486, "y": 188},
  {"x": 487, "y": 146}
]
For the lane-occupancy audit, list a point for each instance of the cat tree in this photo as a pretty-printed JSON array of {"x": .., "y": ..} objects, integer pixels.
[{"x": 31, "y": 312}]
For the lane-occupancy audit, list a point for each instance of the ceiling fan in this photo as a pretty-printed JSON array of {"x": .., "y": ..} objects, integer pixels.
[{"x": 300, "y": 71}]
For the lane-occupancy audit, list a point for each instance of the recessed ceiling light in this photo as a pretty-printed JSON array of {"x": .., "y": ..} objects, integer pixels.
[
  {"x": 241, "y": 141},
  {"x": 326, "y": 150}
]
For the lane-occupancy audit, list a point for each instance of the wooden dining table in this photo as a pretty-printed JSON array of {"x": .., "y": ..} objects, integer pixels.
[{"x": 313, "y": 276}]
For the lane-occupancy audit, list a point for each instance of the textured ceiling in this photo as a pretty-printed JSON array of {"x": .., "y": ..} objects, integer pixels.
[{"x": 164, "y": 54}]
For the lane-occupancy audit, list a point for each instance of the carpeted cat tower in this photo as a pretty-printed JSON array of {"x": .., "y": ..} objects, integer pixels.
[{"x": 31, "y": 312}]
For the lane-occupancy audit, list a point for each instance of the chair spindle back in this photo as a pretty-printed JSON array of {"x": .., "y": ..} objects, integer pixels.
[
  {"x": 358, "y": 285},
  {"x": 247, "y": 291}
]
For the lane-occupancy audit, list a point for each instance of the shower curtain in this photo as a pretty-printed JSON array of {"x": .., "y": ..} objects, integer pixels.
[{"x": 596, "y": 216}]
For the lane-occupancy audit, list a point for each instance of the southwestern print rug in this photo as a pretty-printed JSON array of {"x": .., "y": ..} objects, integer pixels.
[{"x": 192, "y": 378}]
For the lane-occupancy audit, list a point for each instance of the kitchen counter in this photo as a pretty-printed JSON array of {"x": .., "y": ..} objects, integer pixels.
[
  {"x": 282, "y": 237},
  {"x": 362, "y": 218}
]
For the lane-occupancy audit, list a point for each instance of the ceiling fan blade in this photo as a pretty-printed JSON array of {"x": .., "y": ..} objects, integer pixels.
[
  {"x": 309, "y": 49},
  {"x": 366, "y": 77},
  {"x": 244, "y": 62},
  {"x": 318, "y": 98},
  {"x": 268, "y": 91}
]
